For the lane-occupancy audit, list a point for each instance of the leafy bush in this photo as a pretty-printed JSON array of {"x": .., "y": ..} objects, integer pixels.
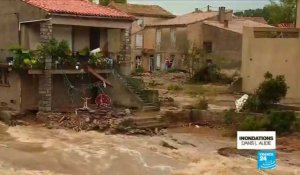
[
  {"x": 207, "y": 74},
  {"x": 254, "y": 104},
  {"x": 281, "y": 121},
  {"x": 210, "y": 74},
  {"x": 272, "y": 90},
  {"x": 228, "y": 117},
  {"x": 97, "y": 60},
  {"x": 269, "y": 92},
  {"x": 251, "y": 123},
  {"x": 59, "y": 51},
  {"x": 24, "y": 59},
  {"x": 202, "y": 103}
]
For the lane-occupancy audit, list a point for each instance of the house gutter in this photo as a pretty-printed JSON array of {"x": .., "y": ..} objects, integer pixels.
[{"x": 33, "y": 21}]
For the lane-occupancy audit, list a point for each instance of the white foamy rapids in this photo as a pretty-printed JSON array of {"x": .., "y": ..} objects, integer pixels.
[
  {"x": 92, "y": 153},
  {"x": 139, "y": 157}
]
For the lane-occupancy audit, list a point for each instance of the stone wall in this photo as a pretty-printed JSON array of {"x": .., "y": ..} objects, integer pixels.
[
  {"x": 125, "y": 51},
  {"x": 45, "y": 80}
]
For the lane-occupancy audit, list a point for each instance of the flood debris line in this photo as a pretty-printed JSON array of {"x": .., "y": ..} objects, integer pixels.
[
  {"x": 103, "y": 119},
  {"x": 167, "y": 145}
]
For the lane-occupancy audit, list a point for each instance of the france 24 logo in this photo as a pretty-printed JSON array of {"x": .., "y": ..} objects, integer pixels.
[{"x": 266, "y": 160}]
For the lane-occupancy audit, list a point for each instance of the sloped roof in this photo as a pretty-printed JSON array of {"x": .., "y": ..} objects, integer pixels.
[
  {"x": 77, "y": 7},
  {"x": 256, "y": 19},
  {"x": 236, "y": 25},
  {"x": 142, "y": 10},
  {"x": 186, "y": 19}
]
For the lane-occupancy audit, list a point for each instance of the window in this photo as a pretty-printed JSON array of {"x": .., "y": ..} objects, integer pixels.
[
  {"x": 207, "y": 46},
  {"x": 138, "y": 61},
  {"x": 4, "y": 77},
  {"x": 158, "y": 38},
  {"x": 173, "y": 38},
  {"x": 158, "y": 61},
  {"x": 139, "y": 40}
]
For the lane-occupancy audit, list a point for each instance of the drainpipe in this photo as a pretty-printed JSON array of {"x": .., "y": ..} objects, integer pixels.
[{"x": 19, "y": 28}]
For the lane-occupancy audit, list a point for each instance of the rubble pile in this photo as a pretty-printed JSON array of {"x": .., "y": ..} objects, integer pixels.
[{"x": 103, "y": 119}]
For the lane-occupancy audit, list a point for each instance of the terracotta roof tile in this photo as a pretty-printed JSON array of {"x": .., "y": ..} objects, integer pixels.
[
  {"x": 142, "y": 10},
  {"x": 186, "y": 19},
  {"x": 77, "y": 7}
]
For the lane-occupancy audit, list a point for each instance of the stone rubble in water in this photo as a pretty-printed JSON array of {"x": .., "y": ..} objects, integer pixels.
[{"x": 103, "y": 119}]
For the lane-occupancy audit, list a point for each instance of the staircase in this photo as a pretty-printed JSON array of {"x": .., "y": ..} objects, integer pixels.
[
  {"x": 149, "y": 122},
  {"x": 148, "y": 98}
]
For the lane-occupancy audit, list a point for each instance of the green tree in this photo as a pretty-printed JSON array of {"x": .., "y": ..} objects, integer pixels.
[
  {"x": 282, "y": 12},
  {"x": 275, "y": 13},
  {"x": 250, "y": 13}
]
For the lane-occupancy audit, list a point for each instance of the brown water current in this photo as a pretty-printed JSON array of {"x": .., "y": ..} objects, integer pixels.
[{"x": 34, "y": 150}]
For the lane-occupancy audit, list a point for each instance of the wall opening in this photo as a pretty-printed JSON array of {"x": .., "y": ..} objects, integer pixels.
[
  {"x": 94, "y": 38},
  {"x": 276, "y": 34},
  {"x": 4, "y": 77},
  {"x": 207, "y": 46}
]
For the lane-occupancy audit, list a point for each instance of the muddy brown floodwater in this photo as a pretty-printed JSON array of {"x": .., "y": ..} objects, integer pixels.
[{"x": 34, "y": 150}]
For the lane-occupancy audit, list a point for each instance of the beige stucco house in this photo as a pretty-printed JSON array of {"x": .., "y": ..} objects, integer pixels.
[
  {"x": 274, "y": 50},
  {"x": 216, "y": 32},
  {"x": 145, "y": 15},
  {"x": 29, "y": 22}
]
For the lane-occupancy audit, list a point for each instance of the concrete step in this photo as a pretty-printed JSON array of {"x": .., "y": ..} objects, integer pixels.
[
  {"x": 152, "y": 125},
  {"x": 149, "y": 122},
  {"x": 150, "y": 108},
  {"x": 147, "y": 119},
  {"x": 148, "y": 103}
]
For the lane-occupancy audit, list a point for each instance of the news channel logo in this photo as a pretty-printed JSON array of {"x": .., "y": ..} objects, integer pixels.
[
  {"x": 256, "y": 140},
  {"x": 266, "y": 159},
  {"x": 264, "y": 142}
]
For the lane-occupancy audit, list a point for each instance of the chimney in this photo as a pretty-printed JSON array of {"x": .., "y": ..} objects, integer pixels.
[
  {"x": 226, "y": 23},
  {"x": 222, "y": 14}
]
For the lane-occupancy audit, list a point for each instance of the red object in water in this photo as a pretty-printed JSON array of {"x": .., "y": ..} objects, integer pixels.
[{"x": 103, "y": 100}]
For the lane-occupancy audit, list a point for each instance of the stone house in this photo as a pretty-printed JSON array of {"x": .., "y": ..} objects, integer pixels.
[
  {"x": 81, "y": 23},
  {"x": 224, "y": 40},
  {"x": 216, "y": 32},
  {"x": 145, "y": 15}
]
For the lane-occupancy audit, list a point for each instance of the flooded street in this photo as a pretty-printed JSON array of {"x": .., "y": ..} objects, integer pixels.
[{"x": 34, "y": 150}]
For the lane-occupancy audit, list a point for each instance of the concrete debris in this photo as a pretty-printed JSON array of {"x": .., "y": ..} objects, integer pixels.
[{"x": 102, "y": 119}]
